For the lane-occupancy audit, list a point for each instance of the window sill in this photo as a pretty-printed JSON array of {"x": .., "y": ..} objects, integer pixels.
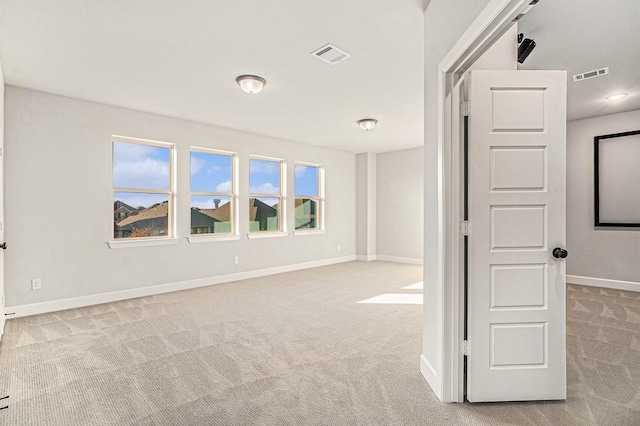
[
  {"x": 266, "y": 234},
  {"x": 212, "y": 239},
  {"x": 302, "y": 232},
  {"x": 142, "y": 243}
]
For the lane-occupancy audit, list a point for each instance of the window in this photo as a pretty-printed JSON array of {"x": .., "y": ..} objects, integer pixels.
[
  {"x": 142, "y": 188},
  {"x": 212, "y": 192},
  {"x": 308, "y": 192},
  {"x": 265, "y": 194}
]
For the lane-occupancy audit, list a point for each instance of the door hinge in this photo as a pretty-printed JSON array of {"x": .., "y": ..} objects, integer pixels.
[
  {"x": 465, "y": 228},
  {"x": 464, "y": 109},
  {"x": 1, "y": 152},
  {"x": 464, "y": 347}
]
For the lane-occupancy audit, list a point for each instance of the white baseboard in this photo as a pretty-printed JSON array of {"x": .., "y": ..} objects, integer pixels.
[
  {"x": 96, "y": 299},
  {"x": 604, "y": 283},
  {"x": 396, "y": 259},
  {"x": 366, "y": 257},
  {"x": 429, "y": 373}
]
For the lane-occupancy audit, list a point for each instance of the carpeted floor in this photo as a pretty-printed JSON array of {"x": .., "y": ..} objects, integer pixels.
[{"x": 291, "y": 349}]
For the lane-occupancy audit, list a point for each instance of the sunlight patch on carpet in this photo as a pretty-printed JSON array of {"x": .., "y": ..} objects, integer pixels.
[
  {"x": 395, "y": 299},
  {"x": 414, "y": 286}
]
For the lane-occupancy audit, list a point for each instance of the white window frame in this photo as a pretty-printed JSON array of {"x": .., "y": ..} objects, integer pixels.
[
  {"x": 281, "y": 196},
  {"x": 233, "y": 195},
  {"x": 171, "y": 194},
  {"x": 320, "y": 200}
]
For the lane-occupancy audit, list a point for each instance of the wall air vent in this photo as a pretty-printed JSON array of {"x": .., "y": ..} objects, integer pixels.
[
  {"x": 591, "y": 74},
  {"x": 330, "y": 54}
]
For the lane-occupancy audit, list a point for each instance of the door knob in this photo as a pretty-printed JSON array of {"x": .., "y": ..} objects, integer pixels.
[
  {"x": 3, "y": 246},
  {"x": 559, "y": 253}
]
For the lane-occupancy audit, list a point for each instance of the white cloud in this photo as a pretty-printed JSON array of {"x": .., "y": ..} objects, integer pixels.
[
  {"x": 264, "y": 166},
  {"x": 265, "y": 188},
  {"x": 196, "y": 165},
  {"x": 300, "y": 171},
  {"x": 135, "y": 166},
  {"x": 207, "y": 203},
  {"x": 224, "y": 187},
  {"x": 146, "y": 173},
  {"x": 132, "y": 151}
]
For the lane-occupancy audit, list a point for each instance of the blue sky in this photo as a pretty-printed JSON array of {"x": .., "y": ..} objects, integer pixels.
[
  {"x": 264, "y": 177},
  {"x": 140, "y": 167},
  {"x": 140, "y": 200},
  {"x": 210, "y": 172},
  {"x": 306, "y": 181}
]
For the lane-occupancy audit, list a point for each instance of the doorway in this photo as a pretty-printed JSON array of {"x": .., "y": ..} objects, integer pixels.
[{"x": 491, "y": 24}]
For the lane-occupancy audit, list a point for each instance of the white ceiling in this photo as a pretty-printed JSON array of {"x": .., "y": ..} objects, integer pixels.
[
  {"x": 181, "y": 59},
  {"x": 580, "y": 36}
]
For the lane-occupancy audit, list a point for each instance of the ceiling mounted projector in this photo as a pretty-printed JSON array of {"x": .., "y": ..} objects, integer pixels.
[{"x": 526, "y": 47}]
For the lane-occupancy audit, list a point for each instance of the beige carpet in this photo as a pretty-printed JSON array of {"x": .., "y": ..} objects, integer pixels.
[{"x": 291, "y": 349}]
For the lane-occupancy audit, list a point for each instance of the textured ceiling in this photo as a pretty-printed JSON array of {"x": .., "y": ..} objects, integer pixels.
[
  {"x": 580, "y": 36},
  {"x": 181, "y": 59}
]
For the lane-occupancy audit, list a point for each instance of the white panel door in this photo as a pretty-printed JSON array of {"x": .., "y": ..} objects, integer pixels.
[{"x": 516, "y": 291}]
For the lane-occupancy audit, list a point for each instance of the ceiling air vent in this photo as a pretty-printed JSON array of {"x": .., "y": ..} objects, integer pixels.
[
  {"x": 330, "y": 54},
  {"x": 591, "y": 74}
]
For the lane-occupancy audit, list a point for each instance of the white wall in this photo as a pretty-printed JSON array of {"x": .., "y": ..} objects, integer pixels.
[
  {"x": 366, "y": 170},
  {"x": 444, "y": 22},
  {"x": 502, "y": 55},
  {"x": 400, "y": 205},
  {"x": 611, "y": 254},
  {"x": 58, "y": 194}
]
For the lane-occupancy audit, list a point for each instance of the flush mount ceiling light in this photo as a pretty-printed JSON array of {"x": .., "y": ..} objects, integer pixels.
[
  {"x": 616, "y": 97},
  {"x": 251, "y": 83},
  {"x": 367, "y": 123}
]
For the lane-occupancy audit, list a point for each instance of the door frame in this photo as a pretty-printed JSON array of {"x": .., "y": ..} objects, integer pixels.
[{"x": 494, "y": 20}]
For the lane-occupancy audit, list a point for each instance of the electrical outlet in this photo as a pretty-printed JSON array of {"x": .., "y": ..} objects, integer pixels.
[
  {"x": 36, "y": 284},
  {"x": 236, "y": 260},
  {"x": 338, "y": 247}
]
